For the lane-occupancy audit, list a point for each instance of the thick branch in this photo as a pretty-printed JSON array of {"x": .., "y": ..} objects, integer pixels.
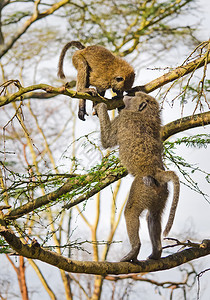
[
  {"x": 25, "y": 93},
  {"x": 184, "y": 124},
  {"x": 33, "y": 95},
  {"x": 34, "y": 251}
]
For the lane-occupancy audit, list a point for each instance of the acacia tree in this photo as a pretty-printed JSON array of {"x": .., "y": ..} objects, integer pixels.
[{"x": 40, "y": 195}]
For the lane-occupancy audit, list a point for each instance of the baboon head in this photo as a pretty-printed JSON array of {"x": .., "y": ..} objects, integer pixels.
[
  {"x": 122, "y": 82},
  {"x": 141, "y": 103}
]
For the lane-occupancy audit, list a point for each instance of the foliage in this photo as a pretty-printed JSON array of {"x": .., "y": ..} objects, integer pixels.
[
  {"x": 3, "y": 246},
  {"x": 185, "y": 168},
  {"x": 141, "y": 22}
]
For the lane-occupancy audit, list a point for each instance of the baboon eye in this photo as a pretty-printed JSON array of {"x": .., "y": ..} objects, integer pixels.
[
  {"x": 118, "y": 78},
  {"x": 142, "y": 106}
]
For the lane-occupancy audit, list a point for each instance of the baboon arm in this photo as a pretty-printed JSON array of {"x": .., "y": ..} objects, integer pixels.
[
  {"x": 81, "y": 65},
  {"x": 108, "y": 128}
]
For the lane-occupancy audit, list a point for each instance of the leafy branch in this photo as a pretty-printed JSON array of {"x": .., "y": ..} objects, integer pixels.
[
  {"x": 188, "y": 66},
  {"x": 200, "y": 140},
  {"x": 78, "y": 188},
  {"x": 88, "y": 185}
]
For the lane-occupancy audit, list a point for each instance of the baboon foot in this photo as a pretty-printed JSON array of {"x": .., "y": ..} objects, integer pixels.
[
  {"x": 132, "y": 255},
  {"x": 91, "y": 91},
  {"x": 155, "y": 254},
  {"x": 82, "y": 113}
]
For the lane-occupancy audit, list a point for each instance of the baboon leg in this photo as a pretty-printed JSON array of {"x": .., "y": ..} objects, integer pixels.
[
  {"x": 82, "y": 109},
  {"x": 82, "y": 67},
  {"x": 154, "y": 226},
  {"x": 132, "y": 224},
  {"x": 132, "y": 213}
]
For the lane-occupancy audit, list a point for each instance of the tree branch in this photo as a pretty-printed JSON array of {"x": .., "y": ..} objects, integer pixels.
[
  {"x": 111, "y": 103},
  {"x": 24, "y": 93},
  {"x": 174, "y": 74},
  {"x": 99, "y": 179},
  {"x": 105, "y": 176},
  {"x": 35, "y": 17},
  {"x": 185, "y": 124},
  {"x": 34, "y": 251}
]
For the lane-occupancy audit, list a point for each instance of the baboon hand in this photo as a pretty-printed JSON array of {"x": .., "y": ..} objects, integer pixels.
[
  {"x": 81, "y": 114},
  {"x": 91, "y": 92},
  {"x": 99, "y": 107}
]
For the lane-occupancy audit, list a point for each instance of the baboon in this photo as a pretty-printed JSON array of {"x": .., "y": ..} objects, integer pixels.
[
  {"x": 98, "y": 67},
  {"x": 137, "y": 132}
]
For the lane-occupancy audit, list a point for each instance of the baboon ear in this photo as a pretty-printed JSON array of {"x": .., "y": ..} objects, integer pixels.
[
  {"x": 142, "y": 106},
  {"x": 119, "y": 78}
]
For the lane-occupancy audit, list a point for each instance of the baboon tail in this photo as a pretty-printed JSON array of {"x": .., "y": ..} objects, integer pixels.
[
  {"x": 163, "y": 177},
  {"x": 63, "y": 53}
]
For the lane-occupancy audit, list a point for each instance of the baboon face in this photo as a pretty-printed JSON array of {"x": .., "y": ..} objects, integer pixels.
[
  {"x": 122, "y": 83},
  {"x": 141, "y": 103}
]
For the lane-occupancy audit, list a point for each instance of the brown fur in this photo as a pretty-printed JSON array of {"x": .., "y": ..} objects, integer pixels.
[
  {"x": 98, "y": 67},
  {"x": 137, "y": 132}
]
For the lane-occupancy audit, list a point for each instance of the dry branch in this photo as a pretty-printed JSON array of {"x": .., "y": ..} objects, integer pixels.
[
  {"x": 185, "y": 123},
  {"x": 23, "y": 93},
  {"x": 177, "y": 73},
  {"x": 35, "y": 251}
]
